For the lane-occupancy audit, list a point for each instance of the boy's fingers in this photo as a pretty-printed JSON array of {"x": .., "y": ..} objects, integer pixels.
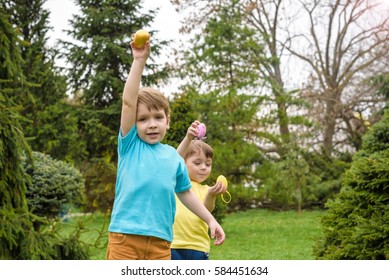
[{"x": 219, "y": 239}]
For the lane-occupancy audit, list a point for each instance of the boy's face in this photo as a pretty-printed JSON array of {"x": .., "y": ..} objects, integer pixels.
[
  {"x": 199, "y": 167},
  {"x": 151, "y": 124}
]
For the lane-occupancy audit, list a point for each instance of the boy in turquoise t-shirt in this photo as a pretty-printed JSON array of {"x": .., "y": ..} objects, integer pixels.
[{"x": 149, "y": 174}]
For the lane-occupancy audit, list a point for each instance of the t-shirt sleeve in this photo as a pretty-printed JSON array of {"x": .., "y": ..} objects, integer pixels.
[
  {"x": 125, "y": 142},
  {"x": 183, "y": 181}
]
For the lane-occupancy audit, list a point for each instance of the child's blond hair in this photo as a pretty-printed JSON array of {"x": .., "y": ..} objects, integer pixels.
[
  {"x": 197, "y": 146},
  {"x": 153, "y": 99}
]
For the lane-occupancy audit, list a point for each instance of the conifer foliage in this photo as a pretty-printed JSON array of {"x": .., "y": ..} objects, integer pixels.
[
  {"x": 18, "y": 237},
  {"x": 13, "y": 206},
  {"x": 356, "y": 225},
  {"x": 49, "y": 122}
]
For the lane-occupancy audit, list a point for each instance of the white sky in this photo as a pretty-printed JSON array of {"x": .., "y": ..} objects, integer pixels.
[{"x": 166, "y": 22}]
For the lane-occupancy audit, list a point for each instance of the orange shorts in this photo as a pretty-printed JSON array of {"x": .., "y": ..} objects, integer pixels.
[{"x": 137, "y": 247}]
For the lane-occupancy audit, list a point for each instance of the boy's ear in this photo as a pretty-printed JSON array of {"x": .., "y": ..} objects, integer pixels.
[{"x": 168, "y": 121}]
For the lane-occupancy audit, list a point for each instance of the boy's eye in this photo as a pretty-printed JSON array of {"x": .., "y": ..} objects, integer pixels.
[{"x": 142, "y": 119}]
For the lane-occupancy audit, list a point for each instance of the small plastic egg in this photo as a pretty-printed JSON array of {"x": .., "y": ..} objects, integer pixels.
[
  {"x": 201, "y": 131},
  {"x": 223, "y": 180}
]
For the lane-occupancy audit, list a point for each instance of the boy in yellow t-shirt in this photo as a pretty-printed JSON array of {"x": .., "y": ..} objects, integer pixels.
[{"x": 191, "y": 240}]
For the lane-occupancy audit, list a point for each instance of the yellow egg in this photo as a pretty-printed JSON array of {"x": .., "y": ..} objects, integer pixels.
[
  {"x": 223, "y": 180},
  {"x": 140, "y": 38}
]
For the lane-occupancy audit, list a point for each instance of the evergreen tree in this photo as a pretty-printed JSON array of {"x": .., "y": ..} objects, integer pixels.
[
  {"x": 50, "y": 123},
  {"x": 356, "y": 225},
  {"x": 18, "y": 238},
  {"x": 13, "y": 143},
  {"x": 55, "y": 186}
]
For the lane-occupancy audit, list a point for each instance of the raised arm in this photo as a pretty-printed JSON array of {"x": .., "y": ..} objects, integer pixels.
[
  {"x": 190, "y": 134},
  {"x": 131, "y": 87}
]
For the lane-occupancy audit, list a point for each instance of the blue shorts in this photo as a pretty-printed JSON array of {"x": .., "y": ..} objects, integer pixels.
[{"x": 187, "y": 254}]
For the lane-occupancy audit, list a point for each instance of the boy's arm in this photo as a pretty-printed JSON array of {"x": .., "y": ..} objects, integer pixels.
[
  {"x": 131, "y": 88},
  {"x": 209, "y": 202},
  {"x": 190, "y": 134},
  {"x": 189, "y": 199}
]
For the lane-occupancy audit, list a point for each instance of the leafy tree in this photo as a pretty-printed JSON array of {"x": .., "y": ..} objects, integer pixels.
[
  {"x": 221, "y": 89},
  {"x": 256, "y": 63},
  {"x": 381, "y": 82},
  {"x": 345, "y": 43},
  {"x": 356, "y": 225},
  {"x": 100, "y": 178},
  {"x": 330, "y": 48},
  {"x": 182, "y": 115},
  {"x": 286, "y": 185}
]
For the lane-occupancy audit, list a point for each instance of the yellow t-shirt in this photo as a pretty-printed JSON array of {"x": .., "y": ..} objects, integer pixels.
[{"x": 189, "y": 231}]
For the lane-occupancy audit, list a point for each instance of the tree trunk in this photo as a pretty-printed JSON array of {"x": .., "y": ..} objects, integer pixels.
[{"x": 332, "y": 108}]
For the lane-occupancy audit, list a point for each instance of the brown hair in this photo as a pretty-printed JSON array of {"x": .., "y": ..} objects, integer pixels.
[
  {"x": 196, "y": 146},
  {"x": 153, "y": 99}
]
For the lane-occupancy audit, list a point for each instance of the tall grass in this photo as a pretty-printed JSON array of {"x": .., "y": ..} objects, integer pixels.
[{"x": 251, "y": 235}]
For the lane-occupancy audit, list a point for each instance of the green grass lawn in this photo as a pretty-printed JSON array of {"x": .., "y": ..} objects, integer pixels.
[
  {"x": 251, "y": 235},
  {"x": 268, "y": 235}
]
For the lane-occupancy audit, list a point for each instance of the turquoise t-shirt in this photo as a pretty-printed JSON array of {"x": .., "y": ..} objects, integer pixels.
[{"x": 147, "y": 179}]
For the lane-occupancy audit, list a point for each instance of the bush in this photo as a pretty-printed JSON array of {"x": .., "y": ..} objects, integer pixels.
[
  {"x": 325, "y": 177},
  {"x": 54, "y": 185},
  {"x": 244, "y": 197},
  {"x": 100, "y": 179},
  {"x": 356, "y": 225}
]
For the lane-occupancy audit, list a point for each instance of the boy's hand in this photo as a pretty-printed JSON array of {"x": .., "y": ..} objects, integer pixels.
[
  {"x": 217, "y": 189},
  {"x": 140, "y": 53},
  {"x": 190, "y": 134},
  {"x": 216, "y": 232},
  {"x": 192, "y": 130}
]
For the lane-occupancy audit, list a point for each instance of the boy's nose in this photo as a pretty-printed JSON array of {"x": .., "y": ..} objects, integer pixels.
[{"x": 152, "y": 123}]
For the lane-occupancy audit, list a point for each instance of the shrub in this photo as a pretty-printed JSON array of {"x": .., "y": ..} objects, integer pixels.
[
  {"x": 100, "y": 179},
  {"x": 54, "y": 185},
  {"x": 356, "y": 225}
]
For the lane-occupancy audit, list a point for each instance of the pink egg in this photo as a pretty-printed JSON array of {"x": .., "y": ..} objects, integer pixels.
[{"x": 201, "y": 131}]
